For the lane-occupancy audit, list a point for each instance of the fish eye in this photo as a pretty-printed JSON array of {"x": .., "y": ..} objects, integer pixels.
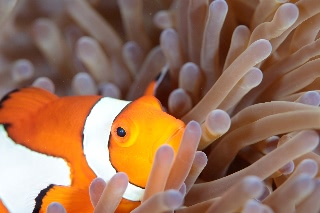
[{"x": 121, "y": 132}]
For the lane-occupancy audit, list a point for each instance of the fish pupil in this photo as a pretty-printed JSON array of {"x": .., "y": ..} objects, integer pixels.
[{"x": 121, "y": 132}]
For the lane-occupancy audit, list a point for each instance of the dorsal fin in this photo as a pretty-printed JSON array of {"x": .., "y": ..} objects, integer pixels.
[{"x": 22, "y": 103}]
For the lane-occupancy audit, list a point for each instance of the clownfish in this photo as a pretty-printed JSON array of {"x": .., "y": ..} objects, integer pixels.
[{"x": 51, "y": 148}]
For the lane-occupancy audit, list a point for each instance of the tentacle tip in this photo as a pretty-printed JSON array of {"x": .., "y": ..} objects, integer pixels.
[
  {"x": 218, "y": 121},
  {"x": 55, "y": 208},
  {"x": 173, "y": 199},
  {"x": 253, "y": 185}
]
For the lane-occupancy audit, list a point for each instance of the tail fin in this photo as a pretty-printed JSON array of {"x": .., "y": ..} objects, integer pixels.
[{"x": 22, "y": 103}]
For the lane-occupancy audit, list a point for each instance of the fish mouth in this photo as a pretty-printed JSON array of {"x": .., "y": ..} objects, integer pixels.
[{"x": 174, "y": 140}]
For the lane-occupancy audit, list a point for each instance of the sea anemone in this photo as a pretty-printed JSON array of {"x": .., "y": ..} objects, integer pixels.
[{"x": 242, "y": 73}]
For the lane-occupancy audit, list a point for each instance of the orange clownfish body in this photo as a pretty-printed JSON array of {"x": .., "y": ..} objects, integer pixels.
[{"x": 51, "y": 148}]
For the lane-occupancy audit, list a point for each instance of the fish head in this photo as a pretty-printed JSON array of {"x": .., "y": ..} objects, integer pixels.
[{"x": 137, "y": 133}]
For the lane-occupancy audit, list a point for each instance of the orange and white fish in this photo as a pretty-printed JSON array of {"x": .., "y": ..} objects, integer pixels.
[{"x": 51, "y": 148}]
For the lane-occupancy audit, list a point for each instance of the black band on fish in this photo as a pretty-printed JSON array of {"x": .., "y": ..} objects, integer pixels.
[
  {"x": 40, "y": 197},
  {"x": 7, "y": 96}
]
